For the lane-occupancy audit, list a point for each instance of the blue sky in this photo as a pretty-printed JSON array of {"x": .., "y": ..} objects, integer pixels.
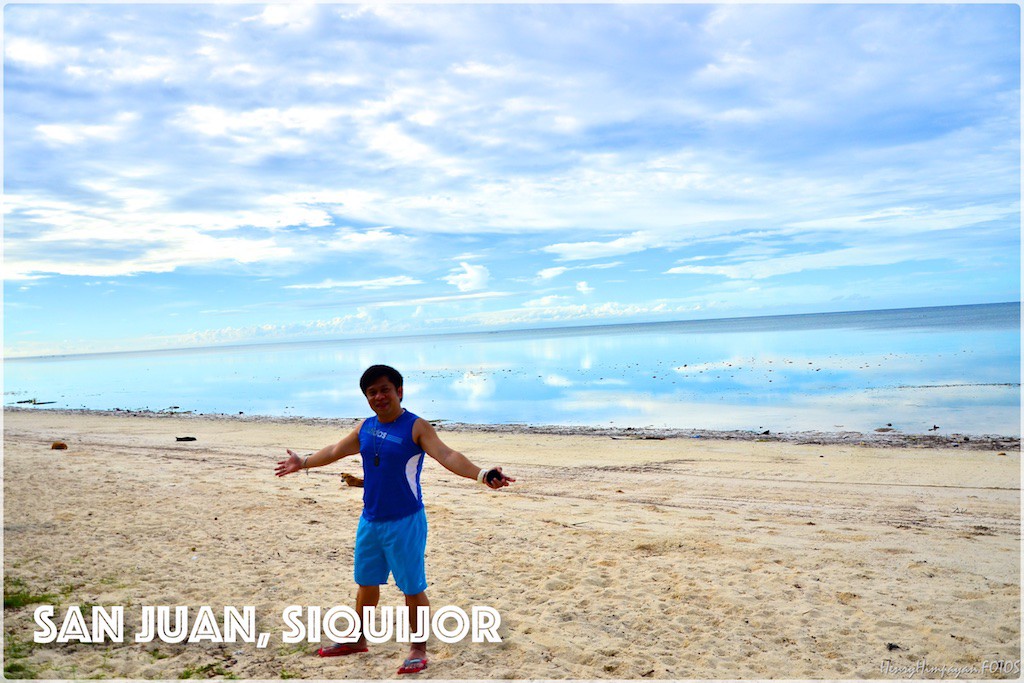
[{"x": 179, "y": 175}]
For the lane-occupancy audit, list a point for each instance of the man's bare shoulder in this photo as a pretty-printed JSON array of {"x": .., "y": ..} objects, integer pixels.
[{"x": 421, "y": 426}]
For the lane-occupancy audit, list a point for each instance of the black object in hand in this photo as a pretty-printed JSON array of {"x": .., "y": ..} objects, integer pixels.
[{"x": 492, "y": 476}]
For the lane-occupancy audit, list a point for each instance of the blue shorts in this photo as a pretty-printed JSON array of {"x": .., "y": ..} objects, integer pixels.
[{"x": 396, "y": 547}]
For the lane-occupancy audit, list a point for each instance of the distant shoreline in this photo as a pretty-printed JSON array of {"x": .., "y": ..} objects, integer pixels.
[
  {"x": 887, "y": 439},
  {"x": 750, "y": 323}
]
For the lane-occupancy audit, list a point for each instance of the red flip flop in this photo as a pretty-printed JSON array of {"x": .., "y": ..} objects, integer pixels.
[
  {"x": 341, "y": 649},
  {"x": 413, "y": 666}
]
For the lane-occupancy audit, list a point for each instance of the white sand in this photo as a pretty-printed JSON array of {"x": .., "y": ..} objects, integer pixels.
[{"x": 625, "y": 559}]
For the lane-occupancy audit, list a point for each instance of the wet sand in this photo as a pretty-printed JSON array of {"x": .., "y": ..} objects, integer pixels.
[{"x": 623, "y": 555}]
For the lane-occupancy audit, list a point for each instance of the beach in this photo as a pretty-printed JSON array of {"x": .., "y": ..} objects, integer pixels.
[{"x": 615, "y": 555}]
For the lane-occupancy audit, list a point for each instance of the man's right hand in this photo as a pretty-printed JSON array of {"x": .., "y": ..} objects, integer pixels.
[{"x": 292, "y": 464}]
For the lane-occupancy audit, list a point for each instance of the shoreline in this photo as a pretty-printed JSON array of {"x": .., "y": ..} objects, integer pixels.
[{"x": 887, "y": 439}]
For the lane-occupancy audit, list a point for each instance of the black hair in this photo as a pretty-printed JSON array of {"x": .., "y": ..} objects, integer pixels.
[{"x": 375, "y": 372}]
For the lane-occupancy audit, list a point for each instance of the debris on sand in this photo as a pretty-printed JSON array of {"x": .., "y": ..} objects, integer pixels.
[{"x": 895, "y": 438}]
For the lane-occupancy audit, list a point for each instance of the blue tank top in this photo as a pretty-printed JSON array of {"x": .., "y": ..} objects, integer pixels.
[{"x": 391, "y": 489}]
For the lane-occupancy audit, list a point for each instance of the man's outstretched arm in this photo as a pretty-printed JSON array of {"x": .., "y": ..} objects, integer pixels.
[
  {"x": 325, "y": 456},
  {"x": 426, "y": 438}
]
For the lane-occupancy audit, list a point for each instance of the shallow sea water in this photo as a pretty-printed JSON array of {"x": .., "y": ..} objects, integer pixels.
[{"x": 954, "y": 368}]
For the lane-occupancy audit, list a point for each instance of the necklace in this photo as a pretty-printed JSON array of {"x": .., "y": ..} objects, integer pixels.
[{"x": 376, "y": 446}]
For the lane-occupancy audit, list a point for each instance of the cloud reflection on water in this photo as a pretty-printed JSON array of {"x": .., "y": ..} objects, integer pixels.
[{"x": 963, "y": 378}]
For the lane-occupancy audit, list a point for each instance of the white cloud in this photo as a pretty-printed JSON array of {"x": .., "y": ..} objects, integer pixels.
[
  {"x": 179, "y": 249},
  {"x": 583, "y": 288},
  {"x": 73, "y": 134},
  {"x": 145, "y": 69},
  {"x": 126, "y": 212},
  {"x": 378, "y": 240},
  {"x": 911, "y": 219},
  {"x": 526, "y": 105},
  {"x": 425, "y": 117},
  {"x": 380, "y": 283},
  {"x": 455, "y": 298},
  {"x": 436, "y": 125},
  {"x": 134, "y": 224},
  {"x": 535, "y": 313},
  {"x": 578, "y": 251},
  {"x": 34, "y": 53},
  {"x": 567, "y": 124},
  {"x": 729, "y": 69},
  {"x": 760, "y": 269},
  {"x": 326, "y": 79},
  {"x": 546, "y": 301},
  {"x": 116, "y": 68},
  {"x": 391, "y": 140},
  {"x": 551, "y": 273},
  {"x": 298, "y": 15},
  {"x": 266, "y": 131},
  {"x": 62, "y": 134},
  {"x": 481, "y": 70},
  {"x": 470, "y": 278},
  {"x": 360, "y": 322},
  {"x": 215, "y": 121},
  {"x": 249, "y": 74},
  {"x": 351, "y": 201},
  {"x": 400, "y": 15}
]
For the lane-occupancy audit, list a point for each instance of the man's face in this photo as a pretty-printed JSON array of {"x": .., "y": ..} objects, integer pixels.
[{"x": 384, "y": 398}]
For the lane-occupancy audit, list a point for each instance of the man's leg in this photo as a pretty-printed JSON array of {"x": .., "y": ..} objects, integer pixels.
[
  {"x": 366, "y": 596},
  {"x": 406, "y": 559},
  {"x": 417, "y": 659},
  {"x": 417, "y": 650}
]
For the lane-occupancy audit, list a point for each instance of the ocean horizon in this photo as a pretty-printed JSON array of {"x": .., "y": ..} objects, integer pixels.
[
  {"x": 1000, "y": 314},
  {"x": 941, "y": 369}
]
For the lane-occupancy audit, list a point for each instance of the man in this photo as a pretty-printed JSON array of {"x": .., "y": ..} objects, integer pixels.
[{"x": 392, "y": 533}]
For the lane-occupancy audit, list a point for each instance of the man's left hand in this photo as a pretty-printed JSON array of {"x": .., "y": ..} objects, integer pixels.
[{"x": 499, "y": 481}]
